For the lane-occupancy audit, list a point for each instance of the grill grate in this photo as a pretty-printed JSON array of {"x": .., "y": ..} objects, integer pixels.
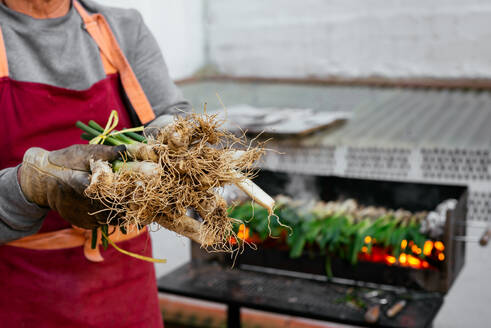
[{"x": 296, "y": 296}]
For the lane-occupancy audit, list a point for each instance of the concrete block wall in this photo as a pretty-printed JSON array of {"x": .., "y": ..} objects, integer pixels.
[{"x": 350, "y": 38}]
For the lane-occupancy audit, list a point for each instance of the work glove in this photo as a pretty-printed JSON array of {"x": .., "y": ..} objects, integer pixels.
[
  {"x": 57, "y": 180},
  {"x": 162, "y": 121},
  {"x": 144, "y": 152}
]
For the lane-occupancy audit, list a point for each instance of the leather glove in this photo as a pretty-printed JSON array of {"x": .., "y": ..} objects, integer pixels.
[
  {"x": 144, "y": 152},
  {"x": 153, "y": 128},
  {"x": 58, "y": 179}
]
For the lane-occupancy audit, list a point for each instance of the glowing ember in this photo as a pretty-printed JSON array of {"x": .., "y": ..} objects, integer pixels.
[
  {"x": 390, "y": 259},
  {"x": 439, "y": 246},
  {"x": 409, "y": 258},
  {"x": 428, "y": 247},
  {"x": 416, "y": 250},
  {"x": 413, "y": 261},
  {"x": 381, "y": 255},
  {"x": 243, "y": 234}
]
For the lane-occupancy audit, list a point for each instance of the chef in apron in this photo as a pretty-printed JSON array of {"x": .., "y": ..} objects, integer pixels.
[{"x": 63, "y": 61}]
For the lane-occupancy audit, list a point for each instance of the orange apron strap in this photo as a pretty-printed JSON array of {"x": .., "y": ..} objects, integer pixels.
[
  {"x": 65, "y": 238},
  {"x": 108, "y": 67},
  {"x": 73, "y": 237},
  {"x": 4, "y": 65},
  {"x": 97, "y": 26}
]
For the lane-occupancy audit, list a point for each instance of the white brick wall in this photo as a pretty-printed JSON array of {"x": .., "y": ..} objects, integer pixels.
[{"x": 350, "y": 38}]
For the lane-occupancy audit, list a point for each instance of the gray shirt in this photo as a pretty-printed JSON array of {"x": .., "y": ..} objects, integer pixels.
[{"x": 60, "y": 52}]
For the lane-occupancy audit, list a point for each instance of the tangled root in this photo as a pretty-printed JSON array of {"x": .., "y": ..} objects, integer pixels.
[{"x": 180, "y": 169}]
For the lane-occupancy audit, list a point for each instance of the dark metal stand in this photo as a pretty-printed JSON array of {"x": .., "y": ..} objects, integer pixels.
[
  {"x": 286, "y": 295},
  {"x": 233, "y": 316}
]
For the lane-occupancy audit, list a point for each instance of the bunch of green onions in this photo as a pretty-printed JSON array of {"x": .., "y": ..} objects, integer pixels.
[{"x": 94, "y": 130}]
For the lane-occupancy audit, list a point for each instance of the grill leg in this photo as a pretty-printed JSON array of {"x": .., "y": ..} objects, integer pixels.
[{"x": 233, "y": 316}]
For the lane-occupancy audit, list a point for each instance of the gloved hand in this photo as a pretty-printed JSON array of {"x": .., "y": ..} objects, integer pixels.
[
  {"x": 153, "y": 128},
  {"x": 58, "y": 179},
  {"x": 144, "y": 152}
]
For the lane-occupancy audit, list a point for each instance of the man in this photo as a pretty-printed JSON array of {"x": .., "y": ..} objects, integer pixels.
[{"x": 63, "y": 61}]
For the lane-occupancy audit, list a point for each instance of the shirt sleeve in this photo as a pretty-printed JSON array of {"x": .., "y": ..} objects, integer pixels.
[
  {"x": 18, "y": 216},
  {"x": 151, "y": 71}
]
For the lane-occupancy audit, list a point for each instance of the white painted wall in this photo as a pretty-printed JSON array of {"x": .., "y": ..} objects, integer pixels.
[
  {"x": 350, "y": 38},
  {"x": 178, "y": 28}
]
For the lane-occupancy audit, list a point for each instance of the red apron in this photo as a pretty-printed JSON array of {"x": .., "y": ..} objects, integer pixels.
[{"x": 61, "y": 288}]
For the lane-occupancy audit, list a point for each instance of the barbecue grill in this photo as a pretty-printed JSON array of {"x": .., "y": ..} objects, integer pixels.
[
  {"x": 402, "y": 149},
  {"x": 267, "y": 278},
  {"x": 411, "y": 196}
]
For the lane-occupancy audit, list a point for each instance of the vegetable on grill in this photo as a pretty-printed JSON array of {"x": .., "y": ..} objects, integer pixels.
[{"x": 341, "y": 229}]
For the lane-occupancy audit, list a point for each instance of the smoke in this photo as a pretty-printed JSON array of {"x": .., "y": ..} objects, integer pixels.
[{"x": 302, "y": 187}]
